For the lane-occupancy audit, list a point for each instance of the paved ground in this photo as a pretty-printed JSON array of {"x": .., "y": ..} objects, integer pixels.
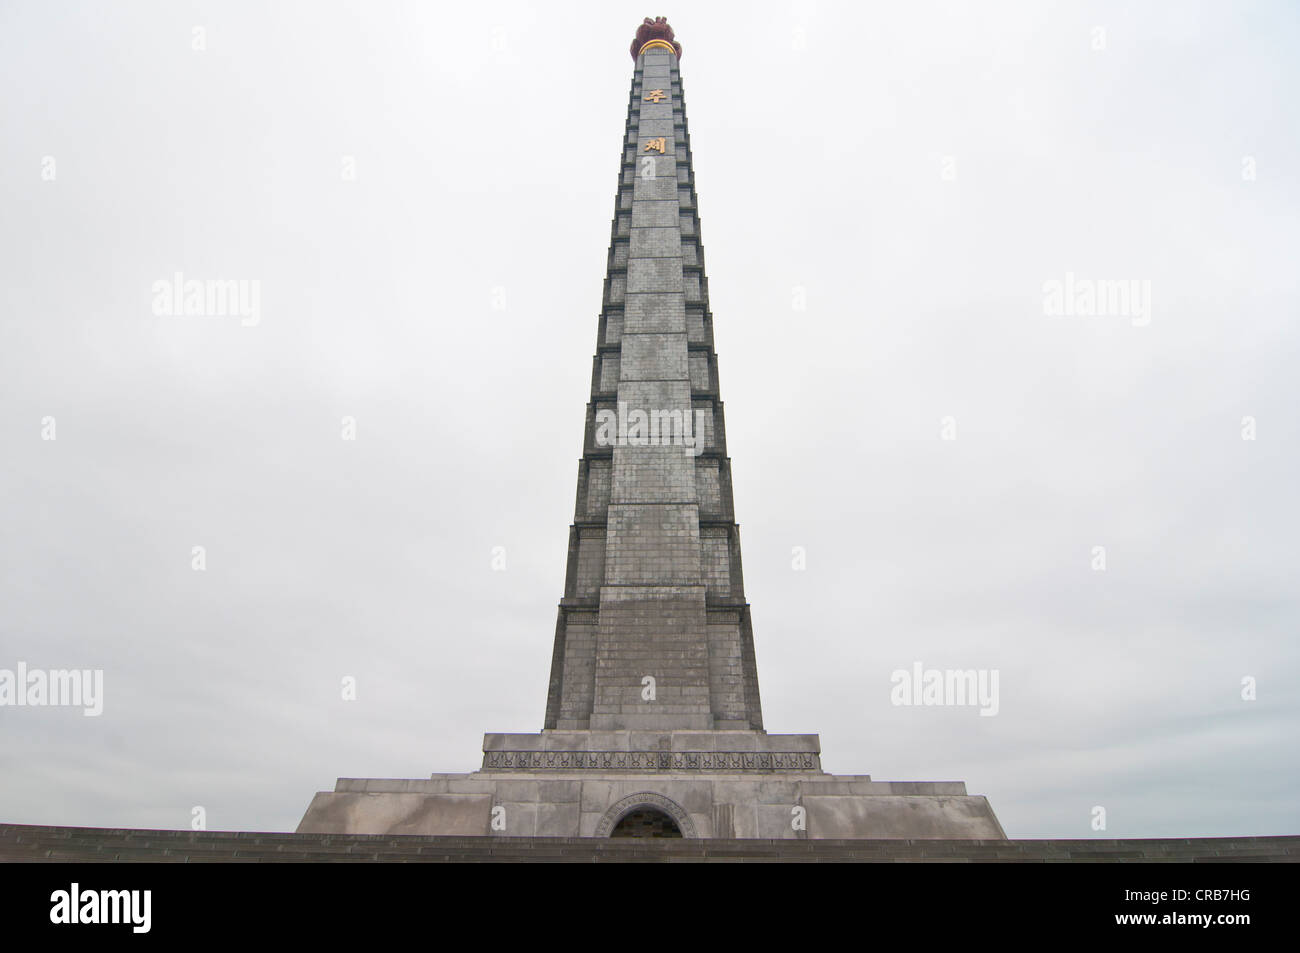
[{"x": 20, "y": 842}]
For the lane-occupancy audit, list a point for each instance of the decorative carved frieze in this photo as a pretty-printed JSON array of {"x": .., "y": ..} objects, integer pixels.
[{"x": 764, "y": 761}]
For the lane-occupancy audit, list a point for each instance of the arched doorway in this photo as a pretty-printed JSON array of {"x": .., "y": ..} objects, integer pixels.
[
  {"x": 646, "y": 814},
  {"x": 646, "y": 822}
]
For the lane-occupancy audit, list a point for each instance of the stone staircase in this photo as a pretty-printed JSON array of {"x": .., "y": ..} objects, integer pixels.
[{"x": 32, "y": 843}]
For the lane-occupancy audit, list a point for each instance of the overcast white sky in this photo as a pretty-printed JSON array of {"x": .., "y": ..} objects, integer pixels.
[{"x": 487, "y": 146}]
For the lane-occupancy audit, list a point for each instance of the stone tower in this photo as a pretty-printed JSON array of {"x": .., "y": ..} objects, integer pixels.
[
  {"x": 653, "y": 588},
  {"x": 653, "y": 725}
]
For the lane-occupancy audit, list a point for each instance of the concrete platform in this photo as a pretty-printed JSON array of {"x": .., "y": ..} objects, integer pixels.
[
  {"x": 34, "y": 844},
  {"x": 712, "y": 784}
]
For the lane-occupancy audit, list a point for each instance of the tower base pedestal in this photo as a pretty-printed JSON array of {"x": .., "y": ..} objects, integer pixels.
[{"x": 711, "y": 784}]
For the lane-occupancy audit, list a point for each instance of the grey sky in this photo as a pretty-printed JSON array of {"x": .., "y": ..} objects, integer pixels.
[{"x": 917, "y": 171}]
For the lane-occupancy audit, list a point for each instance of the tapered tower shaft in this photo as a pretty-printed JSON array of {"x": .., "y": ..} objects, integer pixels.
[{"x": 653, "y": 630}]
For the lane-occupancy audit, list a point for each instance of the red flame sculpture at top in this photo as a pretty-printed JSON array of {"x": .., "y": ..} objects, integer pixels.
[{"x": 656, "y": 29}]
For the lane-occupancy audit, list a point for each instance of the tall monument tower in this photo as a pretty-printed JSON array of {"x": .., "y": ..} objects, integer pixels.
[
  {"x": 653, "y": 725},
  {"x": 653, "y": 589}
]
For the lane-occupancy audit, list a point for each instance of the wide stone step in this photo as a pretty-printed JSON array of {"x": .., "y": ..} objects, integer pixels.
[{"x": 34, "y": 843}]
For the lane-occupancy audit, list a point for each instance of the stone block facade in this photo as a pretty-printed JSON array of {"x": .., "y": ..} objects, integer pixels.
[
  {"x": 654, "y": 520},
  {"x": 711, "y": 784}
]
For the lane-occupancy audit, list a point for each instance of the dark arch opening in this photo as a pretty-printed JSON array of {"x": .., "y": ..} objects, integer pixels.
[{"x": 646, "y": 822}]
